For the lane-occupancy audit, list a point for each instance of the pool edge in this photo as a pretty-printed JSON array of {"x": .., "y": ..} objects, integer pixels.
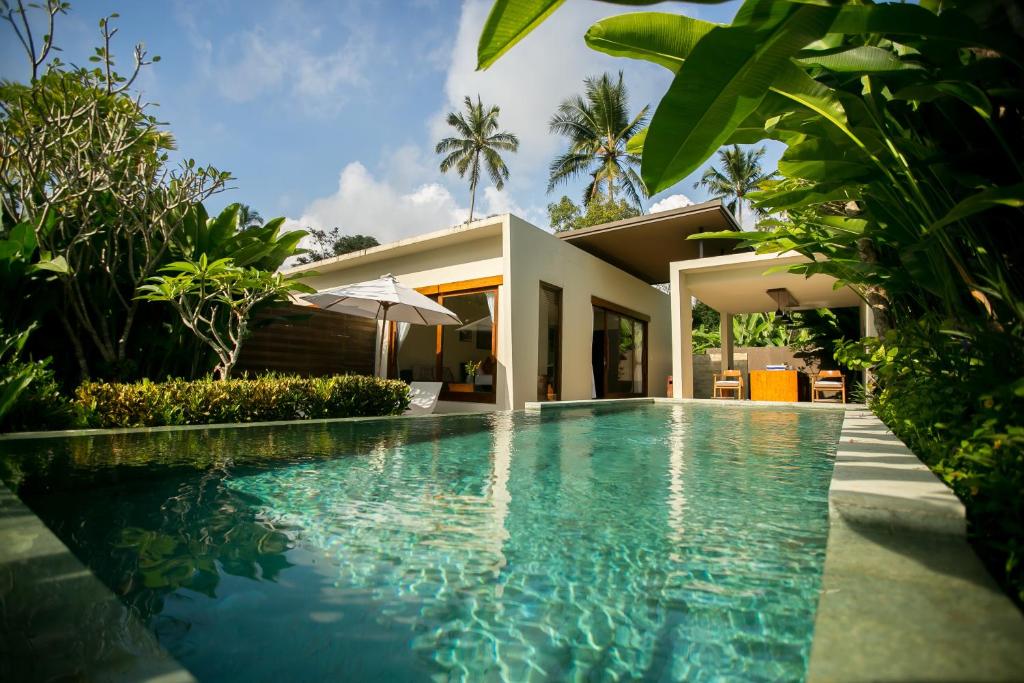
[
  {"x": 59, "y": 606},
  {"x": 903, "y": 596}
]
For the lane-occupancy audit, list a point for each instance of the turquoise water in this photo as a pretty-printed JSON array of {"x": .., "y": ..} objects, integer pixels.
[{"x": 658, "y": 542}]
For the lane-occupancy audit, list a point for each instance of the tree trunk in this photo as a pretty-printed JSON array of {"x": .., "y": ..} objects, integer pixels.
[
  {"x": 76, "y": 345},
  {"x": 875, "y": 296},
  {"x": 472, "y": 201}
]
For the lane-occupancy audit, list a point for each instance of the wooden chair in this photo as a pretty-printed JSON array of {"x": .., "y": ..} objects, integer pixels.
[
  {"x": 728, "y": 381},
  {"x": 828, "y": 382}
]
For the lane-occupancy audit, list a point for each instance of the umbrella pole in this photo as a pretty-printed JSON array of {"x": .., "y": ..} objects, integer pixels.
[{"x": 380, "y": 351}]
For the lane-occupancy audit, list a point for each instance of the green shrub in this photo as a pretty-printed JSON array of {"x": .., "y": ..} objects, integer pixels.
[{"x": 264, "y": 398}]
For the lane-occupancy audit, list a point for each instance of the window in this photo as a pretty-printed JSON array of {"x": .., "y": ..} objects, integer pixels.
[
  {"x": 619, "y": 352},
  {"x": 463, "y": 357},
  {"x": 549, "y": 344},
  {"x": 467, "y": 353}
]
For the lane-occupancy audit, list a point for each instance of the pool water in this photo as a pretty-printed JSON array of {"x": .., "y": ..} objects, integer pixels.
[{"x": 663, "y": 542}]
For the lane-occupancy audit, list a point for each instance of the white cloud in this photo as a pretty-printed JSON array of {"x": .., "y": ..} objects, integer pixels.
[
  {"x": 367, "y": 205},
  {"x": 673, "y": 201}
]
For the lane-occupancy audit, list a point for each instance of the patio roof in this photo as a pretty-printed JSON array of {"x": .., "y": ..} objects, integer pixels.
[
  {"x": 739, "y": 283},
  {"x": 644, "y": 246}
]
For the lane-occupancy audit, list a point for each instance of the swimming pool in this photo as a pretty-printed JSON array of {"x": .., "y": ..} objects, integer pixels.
[{"x": 661, "y": 542}]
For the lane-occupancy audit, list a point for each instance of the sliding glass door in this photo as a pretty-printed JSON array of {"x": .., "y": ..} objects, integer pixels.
[{"x": 619, "y": 354}]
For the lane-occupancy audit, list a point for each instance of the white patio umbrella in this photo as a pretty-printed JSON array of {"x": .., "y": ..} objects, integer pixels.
[{"x": 383, "y": 299}]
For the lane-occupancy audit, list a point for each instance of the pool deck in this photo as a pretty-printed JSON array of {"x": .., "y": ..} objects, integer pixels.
[{"x": 903, "y": 598}]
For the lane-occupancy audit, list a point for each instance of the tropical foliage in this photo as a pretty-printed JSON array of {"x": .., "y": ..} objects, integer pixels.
[
  {"x": 903, "y": 126},
  {"x": 598, "y": 125},
  {"x": 329, "y": 243},
  {"x": 739, "y": 173},
  {"x": 566, "y": 215},
  {"x": 478, "y": 143}
]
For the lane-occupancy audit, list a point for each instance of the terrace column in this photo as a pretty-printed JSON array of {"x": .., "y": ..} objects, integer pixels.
[
  {"x": 682, "y": 335},
  {"x": 867, "y": 329},
  {"x": 728, "y": 343}
]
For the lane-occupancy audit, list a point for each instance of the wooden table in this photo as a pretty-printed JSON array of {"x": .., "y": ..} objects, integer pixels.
[
  {"x": 773, "y": 385},
  {"x": 460, "y": 387}
]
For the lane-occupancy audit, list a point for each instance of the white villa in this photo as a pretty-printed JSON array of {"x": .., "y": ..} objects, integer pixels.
[{"x": 569, "y": 316}]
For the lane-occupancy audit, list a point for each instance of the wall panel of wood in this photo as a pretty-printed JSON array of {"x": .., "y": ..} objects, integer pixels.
[{"x": 320, "y": 343}]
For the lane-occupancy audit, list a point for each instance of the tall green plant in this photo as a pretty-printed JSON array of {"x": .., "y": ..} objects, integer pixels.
[
  {"x": 598, "y": 126},
  {"x": 478, "y": 143}
]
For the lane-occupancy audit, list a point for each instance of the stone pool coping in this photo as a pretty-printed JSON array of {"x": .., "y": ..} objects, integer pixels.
[
  {"x": 903, "y": 596},
  {"x": 107, "y": 431}
]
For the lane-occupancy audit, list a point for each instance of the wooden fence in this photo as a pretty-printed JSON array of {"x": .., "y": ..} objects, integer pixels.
[{"x": 310, "y": 342}]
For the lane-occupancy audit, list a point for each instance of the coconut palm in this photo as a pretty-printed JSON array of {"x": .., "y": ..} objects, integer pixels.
[
  {"x": 598, "y": 126},
  {"x": 248, "y": 217},
  {"x": 479, "y": 140},
  {"x": 740, "y": 174}
]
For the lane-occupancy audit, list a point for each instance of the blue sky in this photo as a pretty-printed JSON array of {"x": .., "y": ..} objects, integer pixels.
[{"x": 327, "y": 112}]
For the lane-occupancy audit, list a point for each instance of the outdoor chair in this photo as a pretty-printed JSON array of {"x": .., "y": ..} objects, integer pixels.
[
  {"x": 423, "y": 398},
  {"x": 728, "y": 384},
  {"x": 829, "y": 385}
]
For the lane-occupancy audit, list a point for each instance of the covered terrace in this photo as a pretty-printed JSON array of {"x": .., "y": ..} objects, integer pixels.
[{"x": 745, "y": 283}]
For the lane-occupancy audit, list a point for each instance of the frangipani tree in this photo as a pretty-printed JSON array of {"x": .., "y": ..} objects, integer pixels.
[
  {"x": 215, "y": 300},
  {"x": 84, "y": 163}
]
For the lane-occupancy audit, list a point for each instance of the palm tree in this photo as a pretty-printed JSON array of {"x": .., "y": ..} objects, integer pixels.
[
  {"x": 479, "y": 141},
  {"x": 248, "y": 217},
  {"x": 741, "y": 174},
  {"x": 598, "y": 126}
]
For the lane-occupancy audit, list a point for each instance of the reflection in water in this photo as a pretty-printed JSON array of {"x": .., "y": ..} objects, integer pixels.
[{"x": 664, "y": 542}]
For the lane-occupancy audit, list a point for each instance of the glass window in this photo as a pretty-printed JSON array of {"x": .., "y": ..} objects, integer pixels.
[{"x": 549, "y": 344}]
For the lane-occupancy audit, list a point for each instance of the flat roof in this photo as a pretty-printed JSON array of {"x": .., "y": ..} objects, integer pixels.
[
  {"x": 644, "y": 246},
  {"x": 478, "y": 229},
  {"x": 739, "y": 283}
]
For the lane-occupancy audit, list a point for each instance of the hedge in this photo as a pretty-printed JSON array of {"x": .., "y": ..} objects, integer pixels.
[{"x": 264, "y": 398}]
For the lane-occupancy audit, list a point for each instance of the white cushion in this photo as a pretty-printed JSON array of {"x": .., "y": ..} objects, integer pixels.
[
  {"x": 422, "y": 398},
  {"x": 828, "y": 383},
  {"x": 727, "y": 383}
]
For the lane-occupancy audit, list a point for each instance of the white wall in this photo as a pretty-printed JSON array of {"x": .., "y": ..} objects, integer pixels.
[
  {"x": 535, "y": 256},
  {"x": 524, "y": 256}
]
